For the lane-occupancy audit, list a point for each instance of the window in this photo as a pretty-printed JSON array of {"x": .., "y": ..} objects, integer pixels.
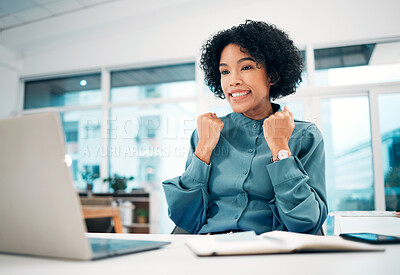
[
  {"x": 359, "y": 64},
  {"x": 83, "y": 144},
  {"x": 64, "y": 91},
  {"x": 172, "y": 81},
  {"x": 390, "y": 136},
  {"x": 81, "y": 127},
  {"x": 151, "y": 142},
  {"x": 347, "y": 134}
]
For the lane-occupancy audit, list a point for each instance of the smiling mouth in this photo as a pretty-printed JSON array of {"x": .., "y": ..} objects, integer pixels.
[{"x": 239, "y": 94}]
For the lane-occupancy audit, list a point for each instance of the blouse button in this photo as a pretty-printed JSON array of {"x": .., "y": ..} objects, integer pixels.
[
  {"x": 251, "y": 150},
  {"x": 254, "y": 126},
  {"x": 244, "y": 172}
]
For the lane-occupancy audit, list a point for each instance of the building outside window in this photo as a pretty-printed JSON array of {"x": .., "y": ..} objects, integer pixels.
[
  {"x": 390, "y": 138},
  {"x": 347, "y": 136}
]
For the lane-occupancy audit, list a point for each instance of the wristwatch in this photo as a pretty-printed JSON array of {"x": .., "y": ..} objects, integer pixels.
[{"x": 282, "y": 154}]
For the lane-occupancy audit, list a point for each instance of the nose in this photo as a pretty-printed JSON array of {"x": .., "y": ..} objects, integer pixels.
[{"x": 235, "y": 79}]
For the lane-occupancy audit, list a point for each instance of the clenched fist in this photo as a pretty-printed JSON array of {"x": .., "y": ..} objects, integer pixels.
[
  {"x": 209, "y": 128},
  {"x": 278, "y": 128}
]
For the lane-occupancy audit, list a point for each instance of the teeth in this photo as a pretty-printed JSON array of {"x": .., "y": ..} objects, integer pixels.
[{"x": 239, "y": 94}]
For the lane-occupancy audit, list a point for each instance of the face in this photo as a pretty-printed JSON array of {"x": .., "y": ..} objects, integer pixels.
[{"x": 245, "y": 83}]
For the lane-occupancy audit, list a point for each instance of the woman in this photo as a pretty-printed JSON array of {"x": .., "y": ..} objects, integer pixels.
[{"x": 256, "y": 168}]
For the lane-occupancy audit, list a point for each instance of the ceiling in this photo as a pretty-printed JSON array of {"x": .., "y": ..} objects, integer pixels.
[{"x": 14, "y": 13}]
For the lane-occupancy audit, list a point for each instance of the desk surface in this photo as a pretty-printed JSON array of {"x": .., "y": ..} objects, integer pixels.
[{"x": 176, "y": 258}]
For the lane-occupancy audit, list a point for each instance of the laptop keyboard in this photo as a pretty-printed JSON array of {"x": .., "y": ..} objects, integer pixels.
[
  {"x": 99, "y": 244},
  {"x": 103, "y": 248}
]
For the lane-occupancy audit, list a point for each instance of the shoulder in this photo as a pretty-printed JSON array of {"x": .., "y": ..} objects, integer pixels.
[
  {"x": 308, "y": 130},
  {"x": 226, "y": 118}
]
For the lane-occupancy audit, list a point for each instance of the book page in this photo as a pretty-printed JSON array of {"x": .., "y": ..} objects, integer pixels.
[
  {"x": 235, "y": 244},
  {"x": 307, "y": 242},
  {"x": 270, "y": 243}
]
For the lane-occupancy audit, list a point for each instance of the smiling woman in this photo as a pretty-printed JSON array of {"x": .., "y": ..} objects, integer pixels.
[
  {"x": 245, "y": 83},
  {"x": 256, "y": 168},
  {"x": 266, "y": 45}
]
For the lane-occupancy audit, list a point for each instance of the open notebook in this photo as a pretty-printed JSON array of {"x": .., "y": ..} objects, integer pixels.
[{"x": 274, "y": 242}]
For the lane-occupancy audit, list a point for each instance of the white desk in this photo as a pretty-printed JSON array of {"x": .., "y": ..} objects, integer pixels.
[{"x": 176, "y": 258}]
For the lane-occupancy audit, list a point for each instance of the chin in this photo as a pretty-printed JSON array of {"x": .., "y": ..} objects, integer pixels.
[{"x": 238, "y": 109}]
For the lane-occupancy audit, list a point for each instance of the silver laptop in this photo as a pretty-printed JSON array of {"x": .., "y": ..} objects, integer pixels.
[{"x": 40, "y": 212}]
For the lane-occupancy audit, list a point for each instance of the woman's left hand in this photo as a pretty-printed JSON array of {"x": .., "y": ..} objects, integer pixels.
[{"x": 278, "y": 128}]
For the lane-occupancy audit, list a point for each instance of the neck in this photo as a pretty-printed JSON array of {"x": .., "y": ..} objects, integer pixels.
[{"x": 258, "y": 115}]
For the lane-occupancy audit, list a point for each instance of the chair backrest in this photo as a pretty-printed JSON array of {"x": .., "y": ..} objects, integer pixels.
[
  {"x": 178, "y": 230},
  {"x": 103, "y": 224},
  {"x": 320, "y": 232},
  {"x": 96, "y": 200}
]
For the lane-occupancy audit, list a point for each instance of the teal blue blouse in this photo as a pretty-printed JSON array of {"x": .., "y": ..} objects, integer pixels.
[{"x": 242, "y": 189}]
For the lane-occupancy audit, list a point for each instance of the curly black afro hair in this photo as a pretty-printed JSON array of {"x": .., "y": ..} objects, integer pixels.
[{"x": 267, "y": 45}]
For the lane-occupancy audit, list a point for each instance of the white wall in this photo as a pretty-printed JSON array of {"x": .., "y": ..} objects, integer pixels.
[{"x": 125, "y": 33}]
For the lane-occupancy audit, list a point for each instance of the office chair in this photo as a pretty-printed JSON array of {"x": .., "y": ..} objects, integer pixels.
[
  {"x": 98, "y": 225},
  {"x": 178, "y": 230}
]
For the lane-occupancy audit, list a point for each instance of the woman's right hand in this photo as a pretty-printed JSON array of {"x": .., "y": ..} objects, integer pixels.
[{"x": 209, "y": 128}]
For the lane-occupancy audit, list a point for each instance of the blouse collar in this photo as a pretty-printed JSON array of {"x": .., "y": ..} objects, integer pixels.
[{"x": 241, "y": 119}]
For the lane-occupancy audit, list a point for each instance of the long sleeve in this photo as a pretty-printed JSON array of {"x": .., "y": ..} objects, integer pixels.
[
  {"x": 300, "y": 204},
  {"x": 187, "y": 195},
  {"x": 242, "y": 189}
]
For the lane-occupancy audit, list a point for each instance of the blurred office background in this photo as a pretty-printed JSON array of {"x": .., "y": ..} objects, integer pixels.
[{"x": 124, "y": 77}]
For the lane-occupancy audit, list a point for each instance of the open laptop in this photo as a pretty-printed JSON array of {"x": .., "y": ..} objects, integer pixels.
[{"x": 40, "y": 213}]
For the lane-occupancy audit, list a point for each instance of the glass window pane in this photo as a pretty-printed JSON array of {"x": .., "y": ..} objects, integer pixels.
[
  {"x": 347, "y": 134},
  {"x": 83, "y": 144},
  {"x": 359, "y": 64},
  {"x": 66, "y": 91},
  {"x": 150, "y": 144},
  {"x": 390, "y": 133},
  {"x": 341, "y": 57},
  {"x": 155, "y": 82}
]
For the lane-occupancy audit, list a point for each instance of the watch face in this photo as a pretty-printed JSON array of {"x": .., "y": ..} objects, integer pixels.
[{"x": 282, "y": 154}]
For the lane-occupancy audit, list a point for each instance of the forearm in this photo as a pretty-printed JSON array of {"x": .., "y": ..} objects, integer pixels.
[
  {"x": 298, "y": 205},
  {"x": 187, "y": 196},
  {"x": 186, "y": 208}
]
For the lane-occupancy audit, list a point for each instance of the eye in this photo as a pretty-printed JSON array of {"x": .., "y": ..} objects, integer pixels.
[
  {"x": 223, "y": 72},
  {"x": 245, "y": 68}
]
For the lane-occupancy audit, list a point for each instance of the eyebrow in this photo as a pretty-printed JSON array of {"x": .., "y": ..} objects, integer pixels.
[{"x": 240, "y": 60}]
